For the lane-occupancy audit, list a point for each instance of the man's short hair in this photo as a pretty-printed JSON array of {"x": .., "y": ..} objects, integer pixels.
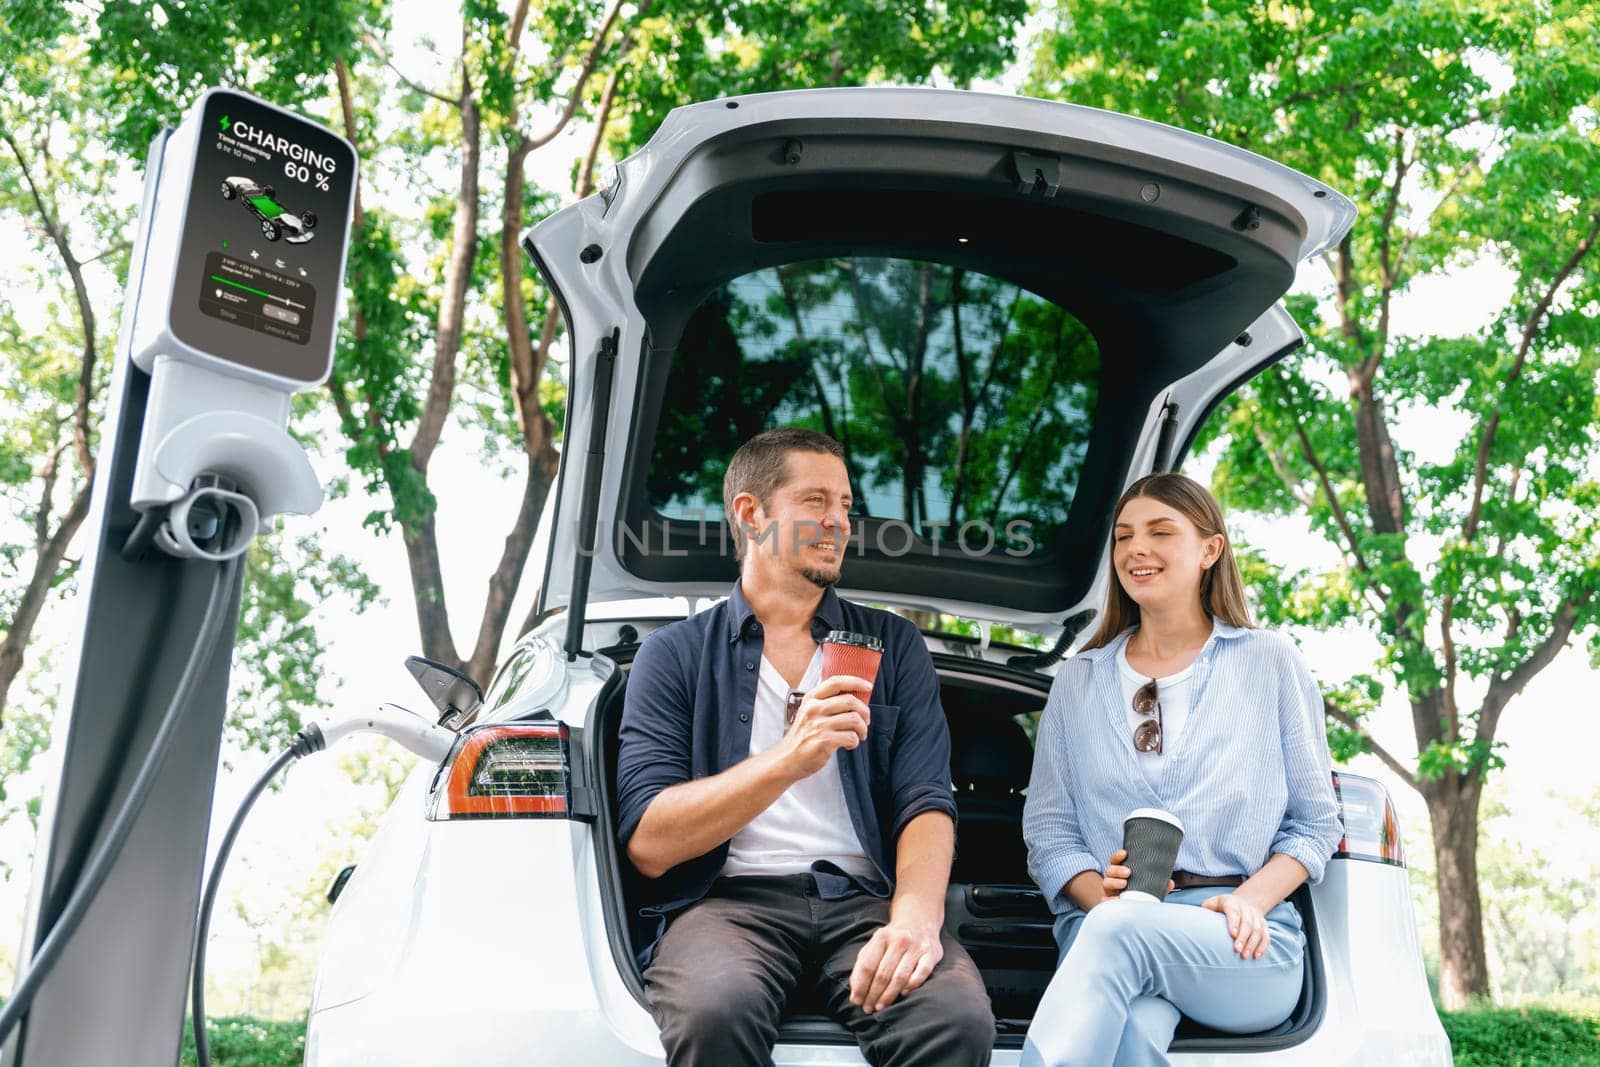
[{"x": 761, "y": 468}]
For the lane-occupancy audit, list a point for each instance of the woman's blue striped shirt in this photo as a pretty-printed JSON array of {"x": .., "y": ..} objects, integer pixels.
[{"x": 1249, "y": 775}]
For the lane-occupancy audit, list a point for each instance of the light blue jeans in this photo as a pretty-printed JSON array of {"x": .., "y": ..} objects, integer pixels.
[{"x": 1130, "y": 968}]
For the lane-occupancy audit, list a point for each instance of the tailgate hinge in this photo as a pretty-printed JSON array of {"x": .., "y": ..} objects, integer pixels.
[{"x": 1166, "y": 430}]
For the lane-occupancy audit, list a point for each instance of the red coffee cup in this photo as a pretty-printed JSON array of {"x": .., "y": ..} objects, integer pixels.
[{"x": 855, "y": 654}]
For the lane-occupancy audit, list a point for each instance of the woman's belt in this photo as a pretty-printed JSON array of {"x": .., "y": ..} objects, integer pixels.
[{"x": 1185, "y": 880}]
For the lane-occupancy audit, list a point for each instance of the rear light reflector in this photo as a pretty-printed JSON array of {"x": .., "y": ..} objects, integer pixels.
[
  {"x": 1371, "y": 831},
  {"x": 509, "y": 771}
]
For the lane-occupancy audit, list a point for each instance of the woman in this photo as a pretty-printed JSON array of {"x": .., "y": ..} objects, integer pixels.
[{"x": 1178, "y": 703}]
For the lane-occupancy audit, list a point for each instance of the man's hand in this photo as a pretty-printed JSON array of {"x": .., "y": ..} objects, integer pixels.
[
  {"x": 1246, "y": 924},
  {"x": 834, "y": 715},
  {"x": 1115, "y": 880},
  {"x": 897, "y": 959}
]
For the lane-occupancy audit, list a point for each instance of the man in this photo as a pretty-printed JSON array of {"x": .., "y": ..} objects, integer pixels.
[{"x": 809, "y": 858}]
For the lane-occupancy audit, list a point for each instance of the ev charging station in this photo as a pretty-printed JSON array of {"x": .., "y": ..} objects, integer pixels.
[{"x": 231, "y": 307}]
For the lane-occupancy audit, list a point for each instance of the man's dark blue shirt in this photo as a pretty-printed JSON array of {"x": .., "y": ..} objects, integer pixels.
[{"x": 690, "y": 696}]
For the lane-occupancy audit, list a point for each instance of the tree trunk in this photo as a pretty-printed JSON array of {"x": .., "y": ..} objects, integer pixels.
[
  {"x": 427, "y": 589},
  {"x": 507, "y": 576},
  {"x": 1463, "y": 965}
]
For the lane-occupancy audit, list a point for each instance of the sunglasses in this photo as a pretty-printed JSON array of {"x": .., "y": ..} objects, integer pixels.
[{"x": 1147, "y": 735}]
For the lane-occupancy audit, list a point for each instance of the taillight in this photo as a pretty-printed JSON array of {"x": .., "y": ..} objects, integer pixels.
[
  {"x": 509, "y": 771},
  {"x": 1371, "y": 831}
]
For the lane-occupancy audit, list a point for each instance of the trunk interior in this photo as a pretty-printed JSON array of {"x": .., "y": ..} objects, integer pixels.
[{"x": 992, "y": 906}]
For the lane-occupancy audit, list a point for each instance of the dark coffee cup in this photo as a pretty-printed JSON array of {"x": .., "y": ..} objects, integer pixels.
[{"x": 1151, "y": 837}]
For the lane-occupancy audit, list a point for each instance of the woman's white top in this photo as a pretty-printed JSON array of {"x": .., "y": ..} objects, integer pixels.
[
  {"x": 1173, "y": 692},
  {"x": 810, "y": 821},
  {"x": 1248, "y": 774}
]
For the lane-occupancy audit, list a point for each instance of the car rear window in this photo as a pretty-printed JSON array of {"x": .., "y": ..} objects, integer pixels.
[{"x": 958, "y": 397}]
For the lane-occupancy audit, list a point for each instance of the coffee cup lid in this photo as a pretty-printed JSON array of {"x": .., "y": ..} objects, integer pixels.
[
  {"x": 848, "y": 637},
  {"x": 1154, "y": 813}
]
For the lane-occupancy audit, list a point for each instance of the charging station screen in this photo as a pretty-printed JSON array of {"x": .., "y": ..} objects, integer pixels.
[{"x": 262, "y": 251}]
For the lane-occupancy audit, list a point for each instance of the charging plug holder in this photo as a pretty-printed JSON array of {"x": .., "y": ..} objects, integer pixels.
[{"x": 213, "y": 445}]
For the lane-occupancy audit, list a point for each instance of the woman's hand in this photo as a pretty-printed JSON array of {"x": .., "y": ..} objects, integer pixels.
[
  {"x": 1246, "y": 924},
  {"x": 1115, "y": 880}
]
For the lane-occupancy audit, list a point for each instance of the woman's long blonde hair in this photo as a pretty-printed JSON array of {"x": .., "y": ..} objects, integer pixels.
[{"x": 1221, "y": 587}]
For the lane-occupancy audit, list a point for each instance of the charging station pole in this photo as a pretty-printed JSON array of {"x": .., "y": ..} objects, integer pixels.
[{"x": 232, "y": 302}]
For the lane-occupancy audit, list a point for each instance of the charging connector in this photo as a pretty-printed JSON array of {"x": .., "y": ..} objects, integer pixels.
[
  {"x": 211, "y": 521},
  {"x": 396, "y": 723},
  {"x": 401, "y": 725}
]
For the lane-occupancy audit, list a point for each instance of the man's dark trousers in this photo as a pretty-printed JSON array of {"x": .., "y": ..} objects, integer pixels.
[{"x": 728, "y": 965}]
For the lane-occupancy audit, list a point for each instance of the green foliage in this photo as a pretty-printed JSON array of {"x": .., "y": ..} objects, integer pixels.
[
  {"x": 378, "y": 363},
  {"x": 241, "y": 1041},
  {"x": 1464, "y": 131},
  {"x": 1359, "y": 696},
  {"x": 691, "y": 51},
  {"x": 54, "y": 338},
  {"x": 1523, "y": 1037},
  {"x": 50, "y": 183},
  {"x": 164, "y": 55}
]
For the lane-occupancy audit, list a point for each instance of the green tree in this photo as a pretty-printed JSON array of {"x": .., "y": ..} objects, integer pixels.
[
  {"x": 468, "y": 333},
  {"x": 53, "y": 348},
  {"x": 1464, "y": 130}
]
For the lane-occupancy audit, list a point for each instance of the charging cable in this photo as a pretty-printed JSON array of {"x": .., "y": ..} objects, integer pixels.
[
  {"x": 392, "y": 721},
  {"x": 100, "y": 864}
]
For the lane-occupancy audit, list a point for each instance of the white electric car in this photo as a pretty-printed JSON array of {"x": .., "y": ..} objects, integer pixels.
[{"x": 1006, "y": 310}]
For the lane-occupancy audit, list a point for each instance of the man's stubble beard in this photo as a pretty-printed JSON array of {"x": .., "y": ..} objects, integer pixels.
[{"x": 820, "y": 578}]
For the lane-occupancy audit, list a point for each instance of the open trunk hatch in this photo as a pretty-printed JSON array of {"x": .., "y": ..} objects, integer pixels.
[{"x": 1004, "y": 308}]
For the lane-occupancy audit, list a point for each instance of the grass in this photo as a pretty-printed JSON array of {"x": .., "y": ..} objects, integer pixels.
[{"x": 1531, "y": 1036}]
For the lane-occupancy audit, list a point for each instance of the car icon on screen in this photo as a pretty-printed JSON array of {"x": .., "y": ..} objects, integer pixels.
[{"x": 276, "y": 220}]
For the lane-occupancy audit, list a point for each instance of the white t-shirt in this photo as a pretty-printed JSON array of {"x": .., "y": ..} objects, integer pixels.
[
  {"x": 1174, "y": 693},
  {"x": 810, "y": 821}
]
